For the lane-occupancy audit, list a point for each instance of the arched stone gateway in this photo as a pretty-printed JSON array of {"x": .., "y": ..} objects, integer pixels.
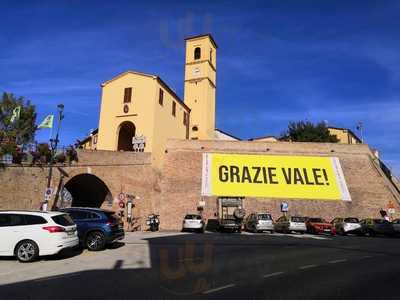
[{"x": 87, "y": 190}]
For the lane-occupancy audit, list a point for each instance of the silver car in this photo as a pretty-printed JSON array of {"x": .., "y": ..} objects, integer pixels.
[
  {"x": 287, "y": 224},
  {"x": 193, "y": 222},
  {"x": 259, "y": 222},
  {"x": 344, "y": 226}
]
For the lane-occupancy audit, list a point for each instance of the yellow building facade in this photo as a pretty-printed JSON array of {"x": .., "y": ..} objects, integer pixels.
[
  {"x": 140, "y": 112},
  {"x": 344, "y": 135},
  {"x": 90, "y": 142}
]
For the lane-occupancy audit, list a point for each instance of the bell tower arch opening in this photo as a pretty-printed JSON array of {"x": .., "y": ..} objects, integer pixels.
[
  {"x": 126, "y": 132},
  {"x": 87, "y": 190},
  {"x": 197, "y": 53}
]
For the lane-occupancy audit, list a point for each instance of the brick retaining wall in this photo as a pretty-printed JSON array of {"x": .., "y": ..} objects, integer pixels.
[{"x": 181, "y": 183}]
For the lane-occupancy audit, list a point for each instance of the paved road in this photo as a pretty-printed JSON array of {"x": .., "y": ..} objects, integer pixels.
[{"x": 215, "y": 266}]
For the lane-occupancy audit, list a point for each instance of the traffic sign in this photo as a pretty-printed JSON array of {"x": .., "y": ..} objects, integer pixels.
[
  {"x": 284, "y": 207},
  {"x": 138, "y": 143},
  {"x": 121, "y": 197},
  {"x": 47, "y": 194}
]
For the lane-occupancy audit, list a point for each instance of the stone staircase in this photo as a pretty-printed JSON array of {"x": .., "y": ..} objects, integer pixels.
[{"x": 393, "y": 183}]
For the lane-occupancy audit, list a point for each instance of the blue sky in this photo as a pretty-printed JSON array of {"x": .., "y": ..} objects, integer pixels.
[{"x": 278, "y": 61}]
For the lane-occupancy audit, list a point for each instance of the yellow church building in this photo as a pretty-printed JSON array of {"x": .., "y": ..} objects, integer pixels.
[{"x": 140, "y": 112}]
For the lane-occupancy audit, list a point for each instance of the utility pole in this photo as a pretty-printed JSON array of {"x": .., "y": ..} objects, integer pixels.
[{"x": 53, "y": 145}]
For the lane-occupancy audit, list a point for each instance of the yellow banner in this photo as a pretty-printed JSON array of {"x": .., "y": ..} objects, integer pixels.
[{"x": 297, "y": 177}]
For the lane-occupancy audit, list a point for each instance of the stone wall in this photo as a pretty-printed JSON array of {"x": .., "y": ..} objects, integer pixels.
[
  {"x": 176, "y": 189},
  {"x": 122, "y": 172},
  {"x": 181, "y": 185}
]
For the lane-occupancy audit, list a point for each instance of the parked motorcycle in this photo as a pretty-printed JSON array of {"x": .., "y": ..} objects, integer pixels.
[{"x": 153, "y": 221}]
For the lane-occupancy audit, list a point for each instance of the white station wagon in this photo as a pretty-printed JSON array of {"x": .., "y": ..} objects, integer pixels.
[{"x": 29, "y": 234}]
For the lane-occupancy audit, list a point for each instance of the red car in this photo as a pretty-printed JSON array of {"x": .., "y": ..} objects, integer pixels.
[{"x": 319, "y": 225}]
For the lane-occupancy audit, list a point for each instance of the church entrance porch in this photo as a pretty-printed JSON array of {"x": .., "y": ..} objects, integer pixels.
[{"x": 125, "y": 135}]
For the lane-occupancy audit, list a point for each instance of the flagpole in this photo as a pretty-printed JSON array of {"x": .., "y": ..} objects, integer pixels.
[{"x": 53, "y": 145}]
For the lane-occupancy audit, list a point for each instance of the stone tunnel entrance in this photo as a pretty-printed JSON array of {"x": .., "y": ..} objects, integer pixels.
[{"x": 87, "y": 190}]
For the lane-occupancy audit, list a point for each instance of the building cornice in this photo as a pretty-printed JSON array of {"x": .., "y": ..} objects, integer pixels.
[
  {"x": 201, "y": 61},
  {"x": 200, "y": 79},
  {"x": 197, "y": 37}
]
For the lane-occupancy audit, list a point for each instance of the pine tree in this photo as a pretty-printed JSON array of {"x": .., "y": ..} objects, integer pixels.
[{"x": 308, "y": 132}]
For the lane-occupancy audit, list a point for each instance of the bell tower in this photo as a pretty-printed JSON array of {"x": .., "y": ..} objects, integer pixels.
[{"x": 200, "y": 85}]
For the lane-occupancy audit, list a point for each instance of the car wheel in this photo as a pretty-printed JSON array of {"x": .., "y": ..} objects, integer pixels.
[
  {"x": 95, "y": 241},
  {"x": 271, "y": 231},
  {"x": 27, "y": 251},
  {"x": 342, "y": 232}
]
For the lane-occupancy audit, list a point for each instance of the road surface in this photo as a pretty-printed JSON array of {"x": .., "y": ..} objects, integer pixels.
[{"x": 214, "y": 266}]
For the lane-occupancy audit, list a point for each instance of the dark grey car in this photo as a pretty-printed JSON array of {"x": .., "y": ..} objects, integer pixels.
[{"x": 373, "y": 227}]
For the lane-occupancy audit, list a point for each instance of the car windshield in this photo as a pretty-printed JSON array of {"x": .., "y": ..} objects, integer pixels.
[
  {"x": 63, "y": 220},
  {"x": 264, "y": 217},
  {"x": 193, "y": 217},
  {"x": 351, "y": 220},
  {"x": 298, "y": 219},
  {"x": 316, "y": 220}
]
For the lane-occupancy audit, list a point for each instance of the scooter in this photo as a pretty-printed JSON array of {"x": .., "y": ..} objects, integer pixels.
[{"x": 153, "y": 221}]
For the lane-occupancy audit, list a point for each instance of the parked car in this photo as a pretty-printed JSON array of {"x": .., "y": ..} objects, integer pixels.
[
  {"x": 232, "y": 223},
  {"x": 30, "y": 234},
  {"x": 396, "y": 226},
  {"x": 319, "y": 226},
  {"x": 287, "y": 224},
  {"x": 96, "y": 227},
  {"x": 344, "y": 226},
  {"x": 373, "y": 227},
  {"x": 259, "y": 222},
  {"x": 193, "y": 222}
]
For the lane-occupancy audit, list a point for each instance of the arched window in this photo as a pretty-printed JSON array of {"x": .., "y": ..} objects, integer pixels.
[{"x": 197, "y": 53}]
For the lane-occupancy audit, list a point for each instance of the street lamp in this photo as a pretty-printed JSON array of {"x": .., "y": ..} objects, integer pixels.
[
  {"x": 53, "y": 146},
  {"x": 359, "y": 127}
]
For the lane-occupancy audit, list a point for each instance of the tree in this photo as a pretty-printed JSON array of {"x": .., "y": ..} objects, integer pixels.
[
  {"x": 305, "y": 131},
  {"x": 22, "y": 130}
]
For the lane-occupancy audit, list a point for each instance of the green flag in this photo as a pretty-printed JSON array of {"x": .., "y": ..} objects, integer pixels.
[
  {"x": 47, "y": 122},
  {"x": 15, "y": 114}
]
